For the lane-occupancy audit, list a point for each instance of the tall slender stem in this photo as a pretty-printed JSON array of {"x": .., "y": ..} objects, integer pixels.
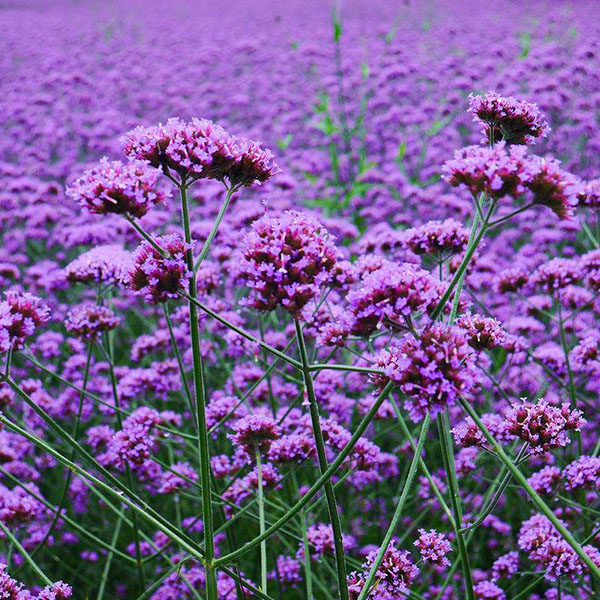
[
  {"x": 261, "y": 519},
  {"x": 306, "y": 498},
  {"x": 535, "y": 497},
  {"x": 211, "y": 236},
  {"x": 200, "y": 402},
  {"x": 412, "y": 471},
  {"x": 38, "y": 571},
  {"x": 109, "y": 559},
  {"x": 323, "y": 464},
  {"x": 455, "y": 502}
]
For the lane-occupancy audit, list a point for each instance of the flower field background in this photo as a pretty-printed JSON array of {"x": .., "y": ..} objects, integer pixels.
[{"x": 300, "y": 300}]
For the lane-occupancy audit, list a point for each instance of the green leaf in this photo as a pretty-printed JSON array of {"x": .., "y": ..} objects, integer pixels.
[
  {"x": 284, "y": 143},
  {"x": 525, "y": 45},
  {"x": 401, "y": 152},
  {"x": 364, "y": 69},
  {"x": 438, "y": 126}
]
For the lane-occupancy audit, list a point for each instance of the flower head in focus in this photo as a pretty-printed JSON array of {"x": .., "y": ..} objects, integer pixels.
[
  {"x": 507, "y": 118},
  {"x": 129, "y": 189},
  {"x": 201, "y": 149},
  {"x": 156, "y": 277},
  {"x": 20, "y": 314},
  {"x": 286, "y": 261}
]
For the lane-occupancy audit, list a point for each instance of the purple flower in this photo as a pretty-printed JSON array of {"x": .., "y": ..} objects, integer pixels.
[
  {"x": 486, "y": 590},
  {"x": 286, "y": 261},
  {"x": 158, "y": 278},
  {"x": 582, "y": 473},
  {"x": 438, "y": 238},
  {"x": 20, "y": 314},
  {"x": 394, "y": 576},
  {"x": 505, "y": 566},
  {"x": 391, "y": 295},
  {"x": 104, "y": 264},
  {"x": 255, "y": 431},
  {"x": 128, "y": 189},
  {"x": 482, "y": 332},
  {"x": 546, "y": 480},
  {"x": 433, "y": 547},
  {"x": 201, "y": 149},
  {"x": 516, "y": 121},
  {"x": 88, "y": 321},
  {"x": 543, "y": 426},
  {"x": 432, "y": 371}
]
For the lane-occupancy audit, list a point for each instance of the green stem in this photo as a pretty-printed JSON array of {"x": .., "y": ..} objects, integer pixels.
[
  {"x": 261, "y": 518},
  {"x": 7, "y": 532},
  {"x": 146, "y": 236},
  {"x": 189, "y": 546},
  {"x": 125, "y": 494},
  {"x": 323, "y": 465},
  {"x": 307, "y": 566},
  {"x": 109, "y": 559},
  {"x": 67, "y": 484},
  {"x": 455, "y": 503},
  {"x": 333, "y": 467},
  {"x": 194, "y": 300},
  {"x": 412, "y": 471},
  {"x": 134, "y": 518},
  {"x": 537, "y": 500},
  {"x": 211, "y": 236},
  {"x": 200, "y": 402}
]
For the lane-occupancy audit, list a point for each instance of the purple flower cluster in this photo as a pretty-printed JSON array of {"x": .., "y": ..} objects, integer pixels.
[
  {"x": 433, "y": 547},
  {"x": 88, "y": 321},
  {"x": 507, "y": 118},
  {"x": 156, "y": 277},
  {"x": 201, "y": 149},
  {"x": 432, "y": 371},
  {"x": 542, "y": 425},
  {"x": 129, "y": 189},
  {"x": 437, "y": 238},
  {"x": 390, "y": 296},
  {"x": 394, "y": 576},
  {"x": 20, "y": 315},
  {"x": 255, "y": 431},
  {"x": 286, "y": 261},
  {"x": 500, "y": 171},
  {"x": 11, "y": 589}
]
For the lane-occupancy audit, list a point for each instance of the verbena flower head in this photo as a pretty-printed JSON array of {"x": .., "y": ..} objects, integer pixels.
[
  {"x": 486, "y": 590},
  {"x": 395, "y": 575},
  {"x": 200, "y": 149},
  {"x": 391, "y": 295},
  {"x": 128, "y": 189},
  {"x": 255, "y": 431},
  {"x": 589, "y": 194},
  {"x": 496, "y": 172},
  {"x": 104, "y": 264},
  {"x": 583, "y": 472},
  {"x": 500, "y": 171},
  {"x": 433, "y": 547},
  {"x": 509, "y": 119},
  {"x": 556, "y": 274},
  {"x": 155, "y": 277},
  {"x": 20, "y": 314},
  {"x": 88, "y": 321},
  {"x": 548, "y": 185},
  {"x": 543, "y": 426},
  {"x": 437, "y": 238},
  {"x": 286, "y": 261},
  {"x": 546, "y": 480},
  {"x": 432, "y": 371},
  {"x": 482, "y": 332}
]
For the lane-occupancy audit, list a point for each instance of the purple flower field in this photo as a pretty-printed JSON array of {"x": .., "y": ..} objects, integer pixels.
[{"x": 300, "y": 300}]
